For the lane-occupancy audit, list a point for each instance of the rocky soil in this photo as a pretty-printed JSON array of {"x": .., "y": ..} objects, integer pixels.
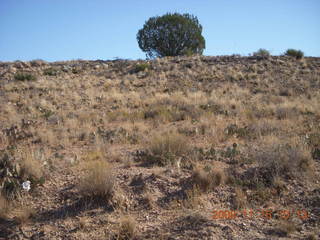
[{"x": 184, "y": 142}]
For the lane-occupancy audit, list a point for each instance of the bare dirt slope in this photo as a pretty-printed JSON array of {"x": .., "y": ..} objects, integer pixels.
[{"x": 174, "y": 148}]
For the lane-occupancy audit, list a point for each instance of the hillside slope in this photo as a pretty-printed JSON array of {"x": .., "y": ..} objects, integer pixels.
[{"x": 162, "y": 149}]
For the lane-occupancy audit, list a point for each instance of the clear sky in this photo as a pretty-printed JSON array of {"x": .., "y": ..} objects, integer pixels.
[{"x": 100, "y": 29}]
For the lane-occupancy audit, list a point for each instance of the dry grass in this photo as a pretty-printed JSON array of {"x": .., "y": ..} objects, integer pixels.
[
  {"x": 283, "y": 159},
  {"x": 127, "y": 228},
  {"x": 4, "y": 142},
  {"x": 149, "y": 200},
  {"x": 207, "y": 180},
  {"x": 286, "y": 228},
  {"x": 192, "y": 219},
  {"x": 167, "y": 149},
  {"x": 278, "y": 184},
  {"x": 240, "y": 199},
  {"x": 4, "y": 207},
  {"x": 192, "y": 200},
  {"x": 23, "y": 214},
  {"x": 106, "y": 113},
  {"x": 31, "y": 167},
  {"x": 311, "y": 236},
  {"x": 98, "y": 180},
  {"x": 83, "y": 222}
]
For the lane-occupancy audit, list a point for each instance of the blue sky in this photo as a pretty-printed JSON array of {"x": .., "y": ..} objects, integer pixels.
[{"x": 100, "y": 29}]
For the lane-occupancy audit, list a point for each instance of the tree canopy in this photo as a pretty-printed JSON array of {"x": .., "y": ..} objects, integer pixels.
[{"x": 172, "y": 34}]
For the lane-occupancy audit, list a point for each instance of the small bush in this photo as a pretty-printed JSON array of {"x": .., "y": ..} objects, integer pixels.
[
  {"x": 21, "y": 76},
  {"x": 9, "y": 176},
  {"x": 263, "y": 53},
  {"x": 13, "y": 173},
  {"x": 75, "y": 70},
  {"x": 167, "y": 149},
  {"x": 98, "y": 180},
  {"x": 282, "y": 160},
  {"x": 141, "y": 67},
  {"x": 298, "y": 54},
  {"x": 51, "y": 72}
]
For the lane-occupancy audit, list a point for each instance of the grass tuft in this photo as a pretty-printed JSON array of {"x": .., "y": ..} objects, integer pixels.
[
  {"x": 127, "y": 228},
  {"x": 167, "y": 149},
  {"x": 98, "y": 180}
]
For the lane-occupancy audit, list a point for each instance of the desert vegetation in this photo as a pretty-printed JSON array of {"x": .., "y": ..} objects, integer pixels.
[
  {"x": 148, "y": 149},
  {"x": 298, "y": 54}
]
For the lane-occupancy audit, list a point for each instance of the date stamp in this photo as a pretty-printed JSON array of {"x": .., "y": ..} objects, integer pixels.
[{"x": 283, "y": 214}]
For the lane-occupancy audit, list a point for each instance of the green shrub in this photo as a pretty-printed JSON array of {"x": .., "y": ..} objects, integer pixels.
[
  {"x": 9, "y": 176},
  {"x": 262, "y": 53},
  {"x": 75, "y": 71},
  {"x": 141, "y": 67},
  {"x": 14, "y": 173},
  {"x": 298, "y": 54},
  {"x": 51, "y": 72},
  {"x": 22, "y": 76}
]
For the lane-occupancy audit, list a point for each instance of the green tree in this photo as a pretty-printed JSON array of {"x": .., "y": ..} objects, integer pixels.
[{"x": 172, "y": 34}]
